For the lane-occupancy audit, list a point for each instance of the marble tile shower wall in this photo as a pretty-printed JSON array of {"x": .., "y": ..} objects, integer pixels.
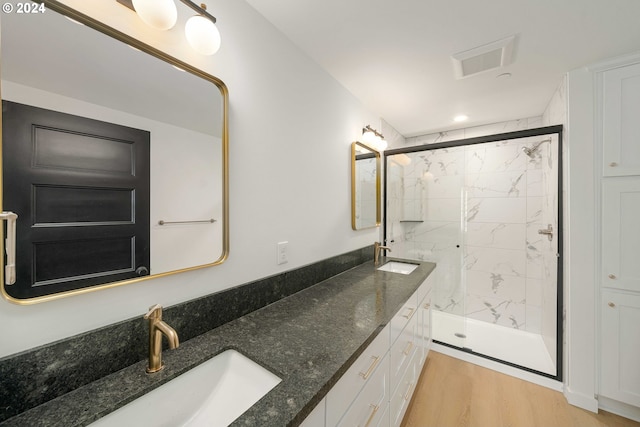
[{"x": 480, "y": 208}]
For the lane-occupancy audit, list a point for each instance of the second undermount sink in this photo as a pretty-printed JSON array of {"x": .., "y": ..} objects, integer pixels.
[
  {"x": 212, "y": 394},
  {"x": 398, "y": 267}
]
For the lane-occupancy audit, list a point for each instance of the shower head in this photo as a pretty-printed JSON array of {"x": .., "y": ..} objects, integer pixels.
[{"x": 531, "y": 151}]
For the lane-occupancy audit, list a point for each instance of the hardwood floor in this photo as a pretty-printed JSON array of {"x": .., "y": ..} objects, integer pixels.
[{"x": 454, "y": 393}]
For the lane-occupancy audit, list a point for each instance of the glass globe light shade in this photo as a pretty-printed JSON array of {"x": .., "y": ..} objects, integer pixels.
[
  {"x": 202, "y": 35},
  {"x": 368, "y": 137},
  {"x": 160, "y": 14}
]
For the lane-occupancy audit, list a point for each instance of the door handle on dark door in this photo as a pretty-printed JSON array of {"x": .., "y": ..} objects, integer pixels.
[{"x": 10, "y": 242}]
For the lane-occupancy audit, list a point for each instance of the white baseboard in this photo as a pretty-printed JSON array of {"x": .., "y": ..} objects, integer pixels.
[
  {"x": 619, "y": 408},
  {"x": 589, "y": 403},
  {"x": 499, "y": 367}
]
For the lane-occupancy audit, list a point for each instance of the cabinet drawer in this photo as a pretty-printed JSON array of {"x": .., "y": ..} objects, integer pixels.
[
  {"x": 403, "y": 350},
  {"x": 402, "y": 317},
  {"x": 342, "y": 394},
  {"x": 370, "y": 405},
  {"x": 402, "y": 396}
]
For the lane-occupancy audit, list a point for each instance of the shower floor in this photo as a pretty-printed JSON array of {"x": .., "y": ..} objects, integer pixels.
[{"x": 522, "y": 348}]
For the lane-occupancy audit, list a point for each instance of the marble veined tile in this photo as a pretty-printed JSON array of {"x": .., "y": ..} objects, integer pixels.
[
  {"x": 497, "y": 261},
  {"x": 443, "y": 161},
  {"x": 443, "y": 186},
  {"x": 534, "y": 292},
  {"x": 534, "y": 209},
  {"x": 496, "y": 235},
  {"x": 505, "y": 287},
  {"x": 501, "y": 184},
  {"x": 434, "y": 138},
  {"x": 535, "y": 183},
  {"x": 503, "y": 209},
  {"x": 533, "y": 319},
  {"x": 447, "y": 232},
  {"x": 495, "y": 310},
  {"x": 482, "y": 158},
  {"x": 442, "y": 209},
  {"x": 535, "y": 247}
]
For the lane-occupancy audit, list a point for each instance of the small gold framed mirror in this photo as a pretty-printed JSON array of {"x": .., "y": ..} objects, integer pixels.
[{"x": 365, "y": 187}]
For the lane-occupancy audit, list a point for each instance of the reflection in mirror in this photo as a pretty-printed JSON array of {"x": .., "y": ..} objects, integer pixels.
[
  {"x": 114, "y": 160},
  {"x": 365, "y": 186}
]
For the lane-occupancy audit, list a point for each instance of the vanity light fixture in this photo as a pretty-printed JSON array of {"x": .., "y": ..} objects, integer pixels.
[
  {"x": 373, "y": 138},
  {"x": 159, "y": 14},
  {"x": 200, "y": 30}
]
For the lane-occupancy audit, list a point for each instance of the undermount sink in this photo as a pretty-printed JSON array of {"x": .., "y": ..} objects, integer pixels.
[
  {"x": 214, "y": 393},
  {"x": 398, "y": 267}
]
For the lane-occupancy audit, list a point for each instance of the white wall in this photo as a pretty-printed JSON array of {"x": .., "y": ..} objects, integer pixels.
[{"x": 290, "y": 125}]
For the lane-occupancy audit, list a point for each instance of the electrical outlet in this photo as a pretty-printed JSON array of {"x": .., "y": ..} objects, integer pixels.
[{"x": 282, "y": 255}]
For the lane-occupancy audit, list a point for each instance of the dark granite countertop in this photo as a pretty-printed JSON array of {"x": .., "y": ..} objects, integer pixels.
[{"x": 308, "y": 339}]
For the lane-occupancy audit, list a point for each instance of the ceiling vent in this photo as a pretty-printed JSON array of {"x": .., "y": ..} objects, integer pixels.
[{"x": 483, "y": 58}]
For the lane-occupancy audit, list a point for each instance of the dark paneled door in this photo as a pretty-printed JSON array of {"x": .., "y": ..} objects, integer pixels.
[{"x": 80, "y": 188}]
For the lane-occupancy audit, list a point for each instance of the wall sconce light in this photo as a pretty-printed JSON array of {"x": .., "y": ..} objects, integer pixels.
[
  {"x": 200, "y": 30},
  {"x": 373, "y": 138}
]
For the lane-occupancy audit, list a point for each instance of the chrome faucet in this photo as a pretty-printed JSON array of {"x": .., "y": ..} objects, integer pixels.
[
  {"x": 158, "y": 328},
  {"x": 377, "y": 247}
]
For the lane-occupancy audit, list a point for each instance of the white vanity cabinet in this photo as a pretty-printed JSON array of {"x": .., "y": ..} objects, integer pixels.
[
  {"x": 620, "y": 124},
  {"x": 357, "y": 378},
  {"x": 317, "y": 417},
  {"x": 369, "y": 408},
  {"x": 403, "y": 349},
  {"x": 620, "y": 349},
  {"x": 376, "y": 390}
]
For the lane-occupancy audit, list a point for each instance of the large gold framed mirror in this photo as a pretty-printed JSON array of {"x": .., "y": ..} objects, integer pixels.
[
  {"x": 114, "y": 158},
  {"x": 365, "y": 187}
]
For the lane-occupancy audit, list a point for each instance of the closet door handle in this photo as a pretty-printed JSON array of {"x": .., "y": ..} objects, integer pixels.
[{"x": 10, "y": 247}]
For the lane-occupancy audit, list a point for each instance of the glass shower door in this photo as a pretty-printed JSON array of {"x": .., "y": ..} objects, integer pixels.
[{"x": 425, "y": 202}]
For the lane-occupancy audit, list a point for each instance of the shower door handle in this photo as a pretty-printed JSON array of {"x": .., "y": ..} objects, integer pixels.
[{"x": 547, "y": 231}]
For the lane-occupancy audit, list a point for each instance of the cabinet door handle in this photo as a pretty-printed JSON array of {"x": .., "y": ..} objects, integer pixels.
[
  {"x": 613, "y": 164},
  {"x": 612, "y": 305},
  {"x": 411, "y": 310},
  {"x": 373, "y": 414},
  {"x": 612, "y": 276},
  {"x": 367, "y": 374},
  {"x": 408, "y": 348},
  {"x": 407, "y": 395},
  {"x": 427, "y": 305}
]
